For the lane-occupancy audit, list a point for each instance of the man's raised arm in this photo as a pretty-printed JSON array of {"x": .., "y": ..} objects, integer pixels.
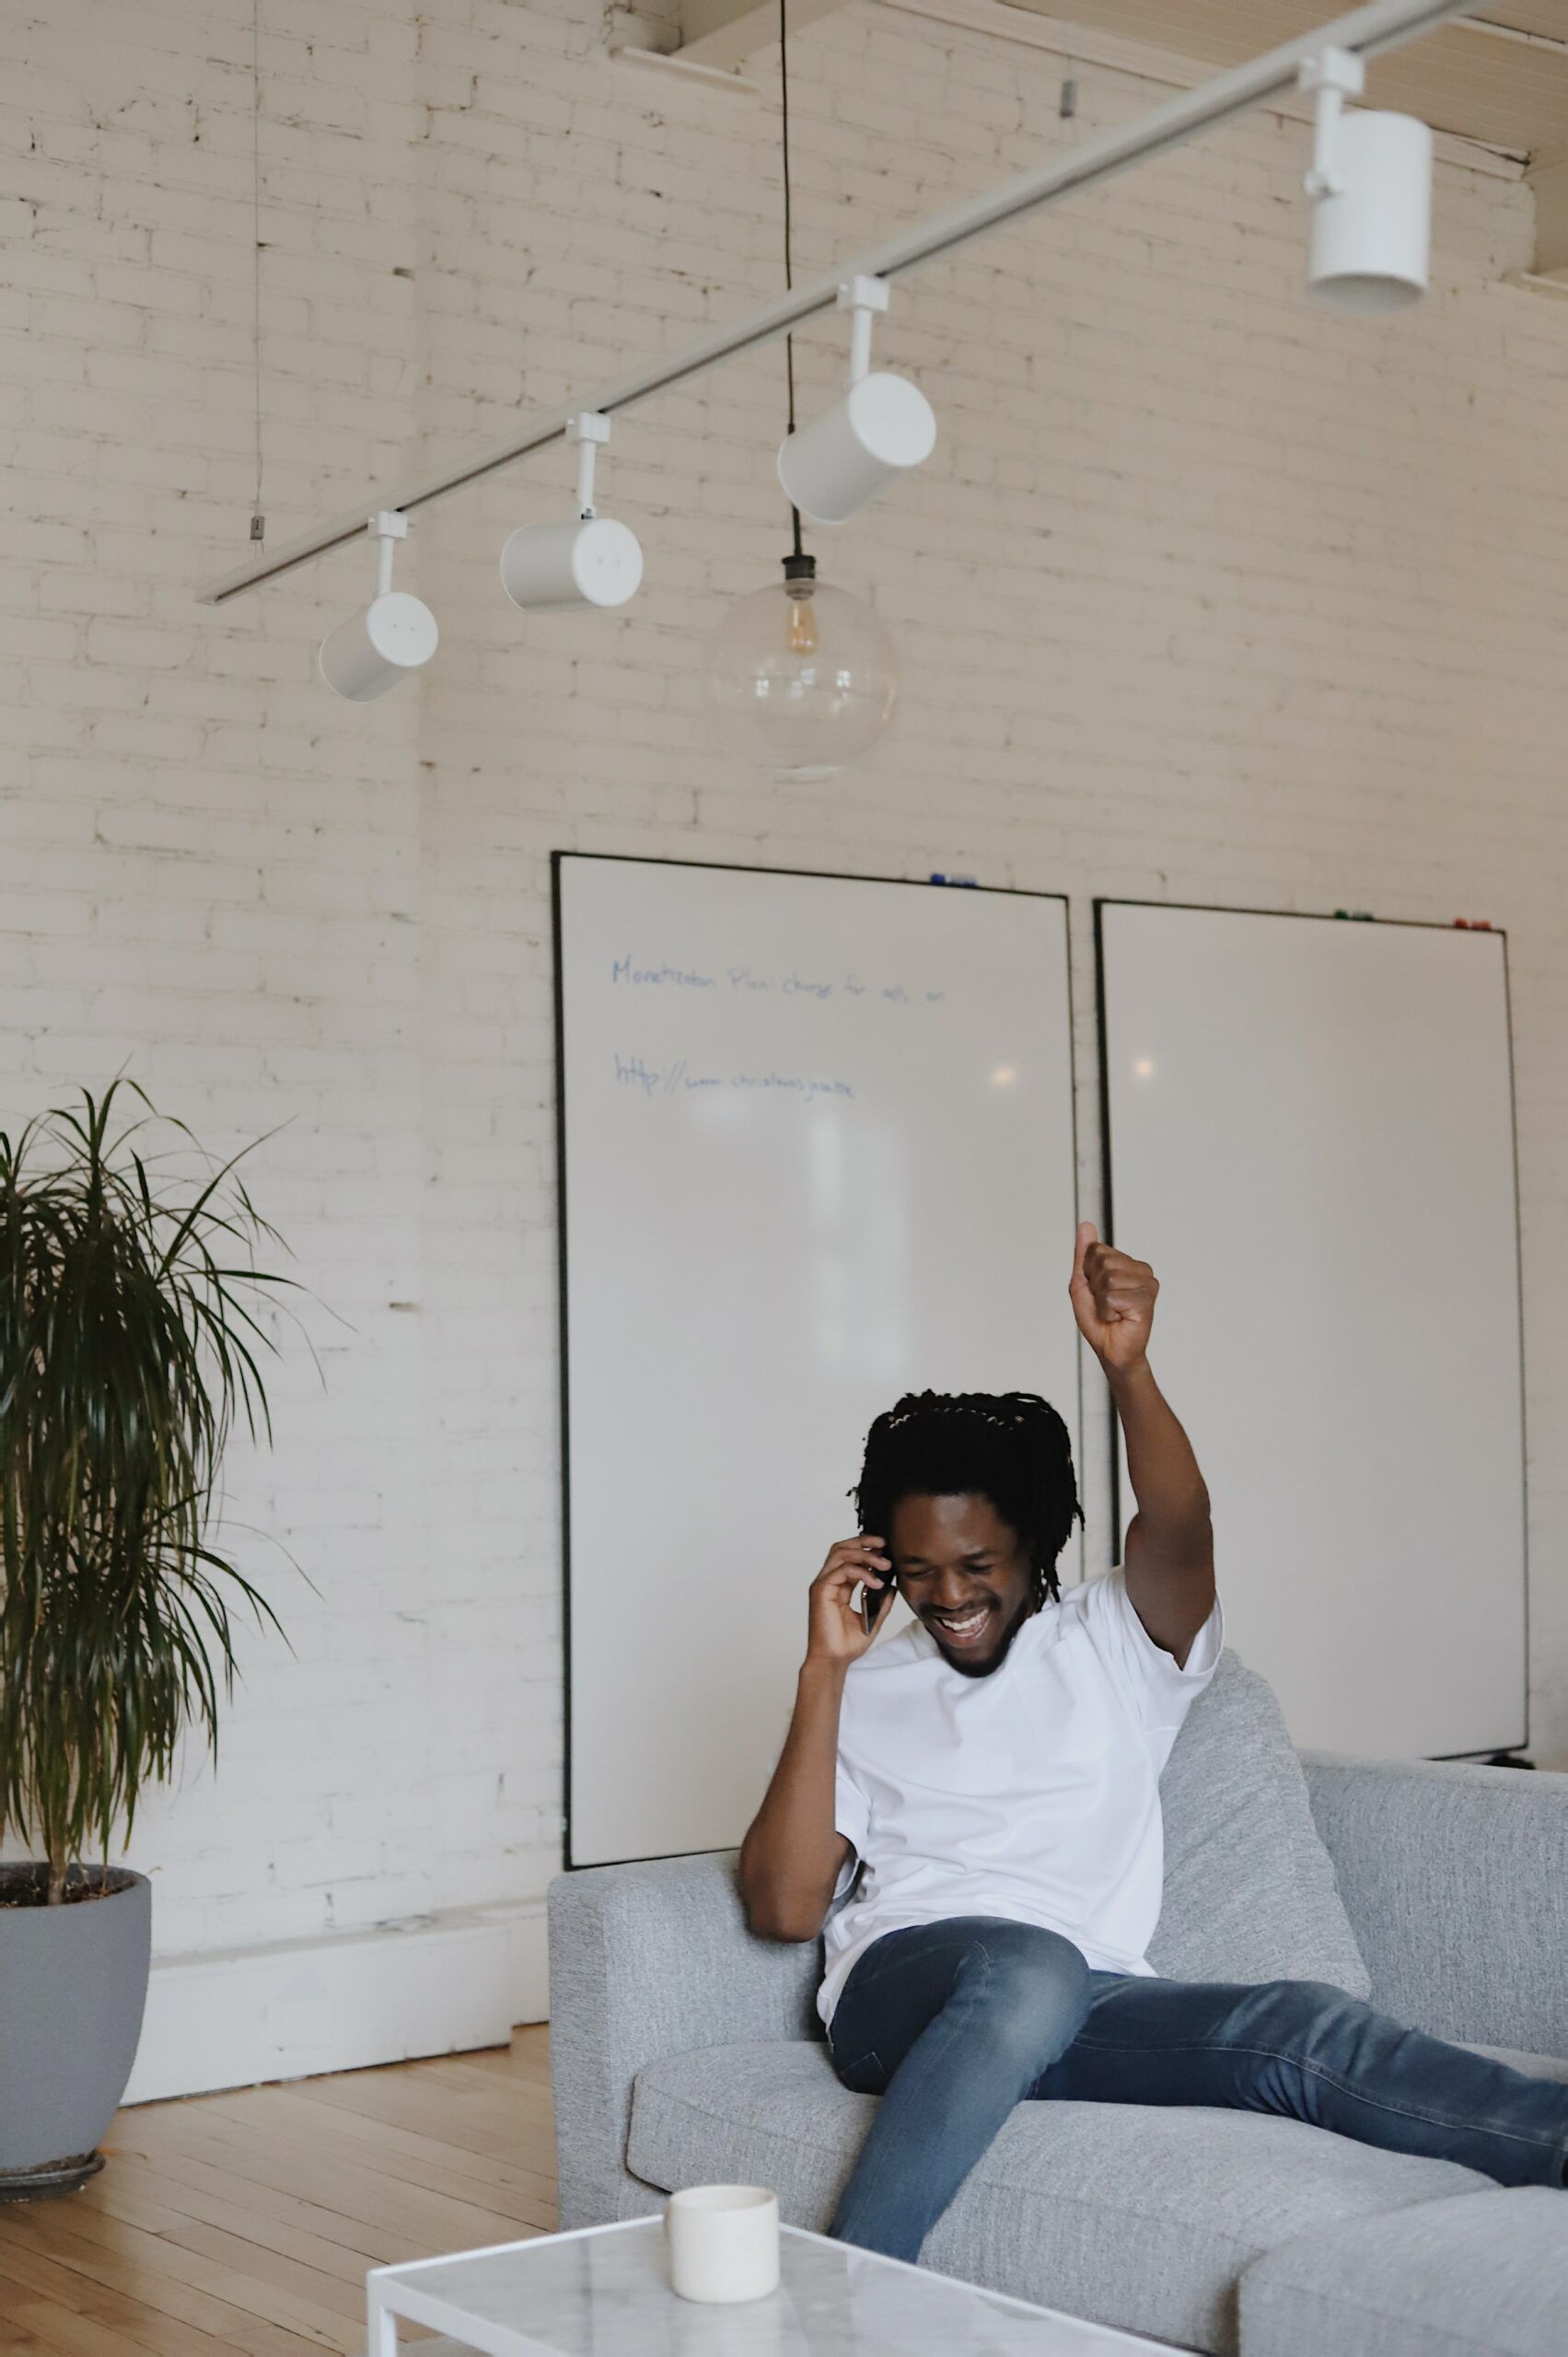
[{"x": 1169, "y": 1557}]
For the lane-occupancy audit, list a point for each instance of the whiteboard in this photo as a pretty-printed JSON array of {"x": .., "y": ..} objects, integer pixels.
[
  {"x": 1310, "y": 1135},
  {"x": 817, "y": 1150}
]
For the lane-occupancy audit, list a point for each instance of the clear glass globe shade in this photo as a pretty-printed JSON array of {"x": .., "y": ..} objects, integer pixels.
[{"x": 802, "y": 678}]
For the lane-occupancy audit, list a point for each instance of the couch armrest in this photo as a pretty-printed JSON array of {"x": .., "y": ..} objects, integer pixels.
[
  {"x": 1456, "y": 1879},
  {"x": 649, "y": 1960}
]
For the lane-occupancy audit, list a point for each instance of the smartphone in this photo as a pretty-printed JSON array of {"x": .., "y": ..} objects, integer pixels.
[{"x": 874, "y": 1601}]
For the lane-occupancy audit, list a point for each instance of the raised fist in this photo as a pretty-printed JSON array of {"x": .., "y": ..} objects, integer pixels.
[{"x": 1113, "y": 1300}]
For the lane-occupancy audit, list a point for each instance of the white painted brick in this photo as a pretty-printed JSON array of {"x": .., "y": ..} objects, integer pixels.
[{"x": 1203, "y": 596}]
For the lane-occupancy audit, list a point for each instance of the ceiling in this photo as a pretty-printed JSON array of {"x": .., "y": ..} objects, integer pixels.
[
  {"x": 1498, "y": 75},
  {"x": 1510, "y": 92}
]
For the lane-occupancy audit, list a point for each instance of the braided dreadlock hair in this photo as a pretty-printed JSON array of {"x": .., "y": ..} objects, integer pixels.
[{"x": 1010, "y": 1447}]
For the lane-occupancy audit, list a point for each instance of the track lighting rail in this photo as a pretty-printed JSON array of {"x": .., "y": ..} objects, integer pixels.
[{"x": 1385, "y": 25}]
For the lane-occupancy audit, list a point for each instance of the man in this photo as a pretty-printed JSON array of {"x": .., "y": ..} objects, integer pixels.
[{"x": 981, "y": 1794}]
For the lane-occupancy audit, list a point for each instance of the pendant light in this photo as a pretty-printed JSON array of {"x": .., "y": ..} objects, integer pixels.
[{"x": 802, "y": 676}]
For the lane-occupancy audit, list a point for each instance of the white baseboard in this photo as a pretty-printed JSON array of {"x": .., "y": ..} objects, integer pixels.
[{"x": 440, "y": 1984}]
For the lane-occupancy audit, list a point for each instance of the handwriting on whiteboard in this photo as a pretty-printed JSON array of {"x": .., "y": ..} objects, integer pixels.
[
  {"x": 678, "y": 1079},
  {"x": 665, "y": 975}
]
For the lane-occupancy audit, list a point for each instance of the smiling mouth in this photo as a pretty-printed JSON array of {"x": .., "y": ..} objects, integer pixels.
[{"x": 961, "y": 1629}]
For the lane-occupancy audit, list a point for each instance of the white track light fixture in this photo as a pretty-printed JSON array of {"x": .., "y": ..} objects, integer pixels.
[
  {"x": 883, "y": 426},
  {"x": 593, "y": 561},
  {"x": 1371, "y": 190},
  {"x": 395, "y": 633}
]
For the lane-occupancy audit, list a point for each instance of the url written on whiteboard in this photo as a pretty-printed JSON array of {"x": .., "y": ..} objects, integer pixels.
[
  {"x": 677, "y": 1079},
  {"x": 663, "y": 975}
]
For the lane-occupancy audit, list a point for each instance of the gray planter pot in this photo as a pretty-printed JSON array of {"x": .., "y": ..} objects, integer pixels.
[{"x": 72, "y": 1988}]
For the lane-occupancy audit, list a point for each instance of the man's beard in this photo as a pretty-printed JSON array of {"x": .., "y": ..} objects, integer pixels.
[{"x": 994, "y": 1659}]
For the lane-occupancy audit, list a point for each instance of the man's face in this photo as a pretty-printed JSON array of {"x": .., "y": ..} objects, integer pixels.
[{"x": 965, "y": 1574}]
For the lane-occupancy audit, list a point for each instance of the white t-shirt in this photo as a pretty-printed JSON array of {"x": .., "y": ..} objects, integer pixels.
[{"x": 1031, "y": 1794}]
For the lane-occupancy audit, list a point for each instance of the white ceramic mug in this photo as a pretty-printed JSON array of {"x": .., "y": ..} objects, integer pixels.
[{"x": 723, "y": 2242}]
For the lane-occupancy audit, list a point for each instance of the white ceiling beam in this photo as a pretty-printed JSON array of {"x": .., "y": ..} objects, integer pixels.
[
  {"x": 725, "y": 33},
  {"x": 1080, "y": 46},
  {"x": 1548, "y": 178}
]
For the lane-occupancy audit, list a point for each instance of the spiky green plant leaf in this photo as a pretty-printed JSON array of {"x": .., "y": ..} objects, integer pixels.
[{"x": 128, "y": 1347}]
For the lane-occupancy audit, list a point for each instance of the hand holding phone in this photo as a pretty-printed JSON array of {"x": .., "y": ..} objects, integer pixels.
[{"x": 837, "y": 1630}]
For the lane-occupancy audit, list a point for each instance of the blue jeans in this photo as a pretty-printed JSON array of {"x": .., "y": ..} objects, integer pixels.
[{"x": 954, "y": 2023}]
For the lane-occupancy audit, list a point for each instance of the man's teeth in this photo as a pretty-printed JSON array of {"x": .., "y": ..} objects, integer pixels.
[{"x": 965, "y": 1628}]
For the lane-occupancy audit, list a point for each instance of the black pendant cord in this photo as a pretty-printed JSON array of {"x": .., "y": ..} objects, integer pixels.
[
  {"x": 788, "y": 239},
  {"x": 258, "y": 520}
]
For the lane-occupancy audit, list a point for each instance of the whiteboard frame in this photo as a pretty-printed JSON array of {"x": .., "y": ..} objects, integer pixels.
[
  {"x": 1421, "y": 925},
  {"x": 736, "y": 867}
]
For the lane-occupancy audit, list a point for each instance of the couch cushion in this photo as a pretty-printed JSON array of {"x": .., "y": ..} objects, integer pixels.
[
  {"x": 1249, "y": 1890},
  {"x": 1484, "y": 2276},
  {"x": 1137, "y": 2215}
]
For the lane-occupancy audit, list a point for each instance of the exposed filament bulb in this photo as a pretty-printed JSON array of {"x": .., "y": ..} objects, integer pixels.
[
  {"x": 802, "y": 621},
  {"x": 800, "y": 575}
]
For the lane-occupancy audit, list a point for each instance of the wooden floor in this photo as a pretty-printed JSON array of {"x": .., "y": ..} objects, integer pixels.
[{"x": 245, "y": 2222}]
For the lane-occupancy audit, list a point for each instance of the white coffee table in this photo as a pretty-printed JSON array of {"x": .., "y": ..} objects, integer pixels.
[{"x": 604, "y": 2292}]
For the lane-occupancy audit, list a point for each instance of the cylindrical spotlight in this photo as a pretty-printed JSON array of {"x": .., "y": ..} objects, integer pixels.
[
  {"x": 1371, "y": 233},
  {"x": 882, "y": 427},
  {"x": 592, "y": 560},
  {"x": 373, "y": 650}
]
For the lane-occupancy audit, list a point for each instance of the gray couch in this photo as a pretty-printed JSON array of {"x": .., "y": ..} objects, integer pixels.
[{"x": 686, "y": 2051}]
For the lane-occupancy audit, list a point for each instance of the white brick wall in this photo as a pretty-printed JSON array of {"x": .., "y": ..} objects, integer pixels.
[{"x": 1205, "y": 596}]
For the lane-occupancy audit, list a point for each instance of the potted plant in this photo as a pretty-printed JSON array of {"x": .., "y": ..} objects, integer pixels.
[{"x": 128, "y": 1344}]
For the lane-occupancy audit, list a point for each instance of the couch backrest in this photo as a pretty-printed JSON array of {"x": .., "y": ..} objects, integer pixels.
[{"x": 1250, "y": 1889}]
